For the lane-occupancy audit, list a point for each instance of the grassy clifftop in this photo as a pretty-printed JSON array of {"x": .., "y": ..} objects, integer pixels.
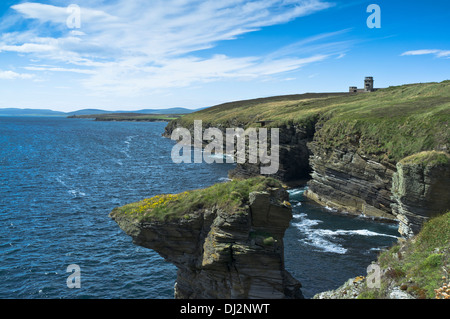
[
  {"x": 388, "y": 124},
  {"x": 231, "y": 195}
]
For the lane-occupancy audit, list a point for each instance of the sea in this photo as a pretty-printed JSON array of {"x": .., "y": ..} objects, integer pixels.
[{"x": 60, "y": 178}]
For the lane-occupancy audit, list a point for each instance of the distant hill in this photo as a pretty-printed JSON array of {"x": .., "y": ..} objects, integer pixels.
[
  {"x": 143, "y": 117},
  {"x": 45, "y": 112},
  {"x": 29, "y": 112}
]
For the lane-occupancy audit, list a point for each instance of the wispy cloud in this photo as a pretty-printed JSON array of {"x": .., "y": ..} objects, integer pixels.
[
  {"x": 128, "y": 46},
  {"x": 437, "y": 53},
  {"x": 58, "y": 69},
  {"x": 11, "y": 75}
]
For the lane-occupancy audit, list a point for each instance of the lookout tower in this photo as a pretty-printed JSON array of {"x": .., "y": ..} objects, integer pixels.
[{"x": 368, "y": 84}]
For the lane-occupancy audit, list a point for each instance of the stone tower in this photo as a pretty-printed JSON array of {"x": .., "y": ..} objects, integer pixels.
[{"x": 368, "y": 84}]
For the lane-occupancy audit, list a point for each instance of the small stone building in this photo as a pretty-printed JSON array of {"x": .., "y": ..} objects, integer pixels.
[{"x": 368, "y": 86}]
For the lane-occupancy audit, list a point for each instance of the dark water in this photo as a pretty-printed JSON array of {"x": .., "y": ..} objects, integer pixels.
[
  {"x": 60, "y": 178},
  {"x": 324, "y": 249}
]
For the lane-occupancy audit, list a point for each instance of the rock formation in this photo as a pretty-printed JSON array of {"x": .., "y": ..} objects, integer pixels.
[
  {"x": 346, "y": 181},
  {"x": 293, "y": 157},
  {"x": 221, "y": 253},
  {"x": 420, "y": 190}
]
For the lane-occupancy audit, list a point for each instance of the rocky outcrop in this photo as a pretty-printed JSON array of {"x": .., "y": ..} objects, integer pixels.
[
  {"x": 293, "y": 156},
  {"x": 355, "y": 287},
  {"x": 346, "y": 178},
  {"x": 420, "y": 190},
  {"x": 224, "y": 254},
  {"x": 346, "y": 181},
  {"x": 293, "y": 159}
]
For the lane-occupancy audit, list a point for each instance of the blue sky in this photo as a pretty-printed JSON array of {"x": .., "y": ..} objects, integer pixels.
[{"x": 134, "y": 54}]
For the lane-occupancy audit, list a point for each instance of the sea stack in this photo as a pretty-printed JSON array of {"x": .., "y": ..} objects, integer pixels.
[{"x": 222, "y": 250}]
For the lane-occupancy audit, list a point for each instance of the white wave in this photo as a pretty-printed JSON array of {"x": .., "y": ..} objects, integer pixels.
[
  {"x": 59, "y": 180},
  {"x": 224, "y": 157},
  {"x": 360, "y": 232},
  {"x": 296, "y": 191},
  {"x": 326, "y": 240},
  {"x": 127, "y": 147},
  {"x": 76, "y": 193},
  {"x": 130, "y": 138},
  {"x": 331, "y": 209},
  {"x": 225, "y": 179},
  {"x": 325, "y": 245},
  {"x": 314, "y": 237},
  {"x": 297, "y": 216},
  {"x": 305, "y": 224}
]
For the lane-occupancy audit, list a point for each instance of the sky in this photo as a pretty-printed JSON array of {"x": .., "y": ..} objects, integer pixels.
[{"x": 137, "y": 54}]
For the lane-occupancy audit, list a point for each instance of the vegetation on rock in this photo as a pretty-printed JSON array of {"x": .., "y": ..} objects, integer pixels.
[
  {"x": 419, "y": 265},
  {"x": 232, "y": 195},
  {"x": 431, "y": 158}
]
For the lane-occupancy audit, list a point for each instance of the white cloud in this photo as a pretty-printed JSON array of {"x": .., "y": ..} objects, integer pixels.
[
  {"x": 50, "y": 13},
  {"x": 437, "y": 53},
  {"x": 129, "y": 46},
  {"x": 28, "y": 48},
  {"x": 443, "y": 53},
  {"x": 58, "y": 69},
  {"x": 11, "y": 75}
]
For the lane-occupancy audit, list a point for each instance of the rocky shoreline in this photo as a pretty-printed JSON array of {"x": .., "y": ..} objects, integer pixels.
[
  {"x": 352, "y": 166},
  {"x": 346, "y": 180}
]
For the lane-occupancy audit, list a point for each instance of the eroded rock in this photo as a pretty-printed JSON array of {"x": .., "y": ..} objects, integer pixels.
[{"x": 221, "y": 253}]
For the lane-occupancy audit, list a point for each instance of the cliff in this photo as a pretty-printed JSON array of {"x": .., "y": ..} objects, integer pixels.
[
  {"x": 350, "y": 147},
  {"x": 226, "y": 240},
  {"x": 420, "y": 190}
]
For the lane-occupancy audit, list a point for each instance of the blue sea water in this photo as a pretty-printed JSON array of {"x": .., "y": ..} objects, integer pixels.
[{"x": 60, "y": 178}]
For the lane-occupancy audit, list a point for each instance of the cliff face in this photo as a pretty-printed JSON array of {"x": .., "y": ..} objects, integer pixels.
[
  {"x": 293, "y": 157},
  {"x": 346, "y": 179},
  {"x": 338, "y": 178},
  {"x": 348, "y": 146},
  {"x": 221, "y": 253},
  {"x": 420, "y": 190}
]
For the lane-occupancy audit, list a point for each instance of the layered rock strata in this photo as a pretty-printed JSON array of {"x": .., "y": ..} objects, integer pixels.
[
  {"x": 293, "y": 158},
  {"x": 224, "y": 254},
  {"x": 420, "y": 191},
  {"x": 346, "y": 181}
]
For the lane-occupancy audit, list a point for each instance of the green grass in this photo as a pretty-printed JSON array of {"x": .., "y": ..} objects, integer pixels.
[
  {"x": 417, "y": 265},
  {"x": 425, "y": 158},
  {"x": 388, "y": 124},
  {"x": 232, "y": 196}
]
